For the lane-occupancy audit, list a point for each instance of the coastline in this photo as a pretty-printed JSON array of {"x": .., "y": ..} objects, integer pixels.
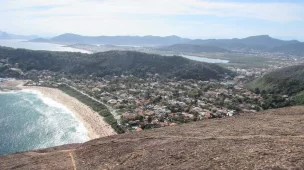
[{"x": 92, "y": 121}]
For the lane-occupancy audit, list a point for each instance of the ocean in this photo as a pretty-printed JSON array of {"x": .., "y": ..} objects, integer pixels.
[
  {"x": 28, "y": 121},
  {"x": 15, "y": 43}
]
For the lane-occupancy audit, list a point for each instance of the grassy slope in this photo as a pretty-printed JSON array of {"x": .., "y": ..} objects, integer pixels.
[
  {"x": 286, "y": 81},
  {"x": 261, "y": 84}
]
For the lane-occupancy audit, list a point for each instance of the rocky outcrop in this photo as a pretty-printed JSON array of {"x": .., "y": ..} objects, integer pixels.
[{"x": 268, "y": 140}]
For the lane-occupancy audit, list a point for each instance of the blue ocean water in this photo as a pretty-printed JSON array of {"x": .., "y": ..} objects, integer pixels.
[
  {"x": 28, "y": 121},
  {"x": 15, "y": 43}
]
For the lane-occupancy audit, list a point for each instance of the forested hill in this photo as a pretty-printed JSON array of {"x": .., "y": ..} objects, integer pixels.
[
  {"x": 110, "y": 63},
  {"x": 287, "y": 81}
]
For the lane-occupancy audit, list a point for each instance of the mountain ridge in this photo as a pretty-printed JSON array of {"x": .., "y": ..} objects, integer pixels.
[
  {"x": 263, "y": 43},
  {"x": 5, "y": 35}
]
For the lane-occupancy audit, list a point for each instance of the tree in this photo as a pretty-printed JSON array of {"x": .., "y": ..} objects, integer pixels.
[
  {"x": 149, "y": 119},
  {"x": 139, "y": 117},
  {"x": 257, "y": 91}
]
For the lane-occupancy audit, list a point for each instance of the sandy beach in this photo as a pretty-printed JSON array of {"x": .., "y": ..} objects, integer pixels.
[{"x": 93, "y": 122}]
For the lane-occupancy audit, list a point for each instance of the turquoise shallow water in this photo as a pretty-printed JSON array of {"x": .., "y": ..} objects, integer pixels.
[{"x": 28, "y": 121}]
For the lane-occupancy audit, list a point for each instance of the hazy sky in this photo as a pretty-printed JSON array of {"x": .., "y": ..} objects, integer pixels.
[{"x": 186, "y": 18}]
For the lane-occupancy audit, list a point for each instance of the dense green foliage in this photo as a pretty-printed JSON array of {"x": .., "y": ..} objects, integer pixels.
[
  {"x": 112, "y": 63},
  {"x": 97, "y": 107},
  {"x": 288, "y": 81}
]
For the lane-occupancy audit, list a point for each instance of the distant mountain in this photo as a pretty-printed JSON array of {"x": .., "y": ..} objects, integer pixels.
[
  {"x": 118, "y": 40},
  {"x": 4, "y": 35},
  {"x": 192, "y": 48},
  {"x": 43, "y": 40},
  {"x": 261, "y": 42}
]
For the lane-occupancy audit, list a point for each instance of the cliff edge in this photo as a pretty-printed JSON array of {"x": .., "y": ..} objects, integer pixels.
[{"x": 273, "y": 139}]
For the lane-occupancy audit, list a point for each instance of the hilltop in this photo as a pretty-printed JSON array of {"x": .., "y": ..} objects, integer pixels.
[{"x": 267, "y": 140}]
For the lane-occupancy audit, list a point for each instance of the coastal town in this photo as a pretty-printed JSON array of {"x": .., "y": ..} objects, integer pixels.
[{"x": 156, "y": 101}]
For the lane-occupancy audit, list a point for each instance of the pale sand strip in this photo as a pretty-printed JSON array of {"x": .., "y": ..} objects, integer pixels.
[{"x": 94, "y": 123}]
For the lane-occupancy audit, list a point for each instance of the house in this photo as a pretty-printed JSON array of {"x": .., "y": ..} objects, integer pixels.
[
  {"x": 112, "y": 101},
  {"x": 230, "y": 113},
  {"x": 138, "y": 129},
  {"x": 128, "y": 116}
]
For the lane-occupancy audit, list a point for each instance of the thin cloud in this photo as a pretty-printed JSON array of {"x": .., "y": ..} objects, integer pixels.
[
  {"x": 267, "y": 11},
  {"x": 129, "y": 17}
]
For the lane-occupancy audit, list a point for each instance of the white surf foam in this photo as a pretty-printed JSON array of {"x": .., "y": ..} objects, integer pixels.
[{"x": 59, "y": 118}]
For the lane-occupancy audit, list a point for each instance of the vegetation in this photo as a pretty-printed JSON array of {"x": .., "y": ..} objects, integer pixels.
[
  {"x": 112, "y": 63},
  {"x": 281, "y": 88},
  {"x": 97, "y": 107},
  {"x": 244, "y": 61}
]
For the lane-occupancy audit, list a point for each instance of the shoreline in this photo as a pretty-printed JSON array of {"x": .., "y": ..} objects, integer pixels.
[{"x": 93, "y": 122}]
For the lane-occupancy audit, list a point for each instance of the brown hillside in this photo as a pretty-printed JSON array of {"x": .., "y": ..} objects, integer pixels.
[{"x": 268, "y": 140}]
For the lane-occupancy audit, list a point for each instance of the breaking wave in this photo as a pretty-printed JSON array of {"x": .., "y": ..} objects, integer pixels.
[{"x": 29, "y": 120}]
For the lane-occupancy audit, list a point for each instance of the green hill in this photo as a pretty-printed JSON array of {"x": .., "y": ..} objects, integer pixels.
[
  {"x": 260, "y": 42},
  {"x": 112, "y": 63},
  {"x": 287, "y": 81}
]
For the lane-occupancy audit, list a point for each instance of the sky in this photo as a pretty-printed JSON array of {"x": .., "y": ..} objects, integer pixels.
[{"x": 186, "y": 18}]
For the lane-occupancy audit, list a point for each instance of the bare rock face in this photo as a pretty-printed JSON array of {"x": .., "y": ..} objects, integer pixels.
[{"x": 268, "y": 140}]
